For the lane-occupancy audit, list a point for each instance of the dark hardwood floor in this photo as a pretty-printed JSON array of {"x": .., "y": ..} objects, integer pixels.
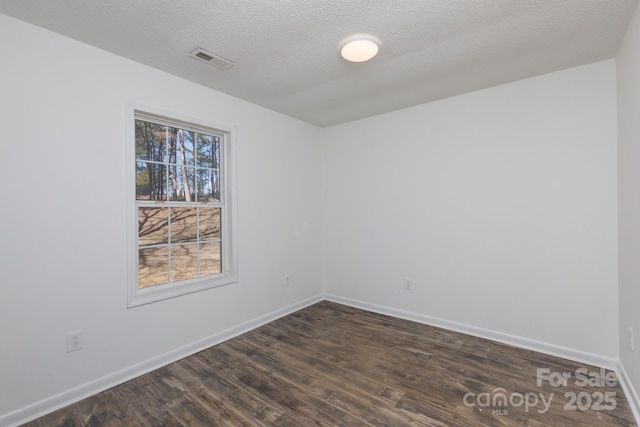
[{"x": 329, "y": 365}]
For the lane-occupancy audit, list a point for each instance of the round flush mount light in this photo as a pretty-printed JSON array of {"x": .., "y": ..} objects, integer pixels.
[{"x": 359, "y": 47}]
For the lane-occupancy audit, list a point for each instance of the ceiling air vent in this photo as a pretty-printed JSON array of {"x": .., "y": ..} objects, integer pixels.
[{"x": 211, "y": 59}]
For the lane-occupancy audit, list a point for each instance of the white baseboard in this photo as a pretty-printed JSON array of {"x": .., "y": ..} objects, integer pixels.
[
  {"x": 629, "y": 392},
  {"x": 68, "y": 397},
  {"x": 516, "y": 341}
]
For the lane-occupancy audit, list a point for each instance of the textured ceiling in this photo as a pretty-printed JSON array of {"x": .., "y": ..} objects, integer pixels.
[{"x": 286, "y": 51}]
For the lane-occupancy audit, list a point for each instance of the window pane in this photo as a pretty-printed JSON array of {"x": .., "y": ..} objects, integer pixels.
[
  {"x": 182, "y": 181},
  {"x": 184, "y": 262},
  {"x": 209, "y": 223},
  {"x": 185, "y": 148},
  {"x": 208, "y": 185},
  {"x": 210, "y": 259},
  {"x": 150, "y": 181},
  {"x": 208, "y": 151},
  {"x": 150, "y": 141},
  {"x": 153, "y": 226},
  {"x": 153, "y": 268},
  {"x": 184, "y": 225},
  {"x": 179, "y": 189}
]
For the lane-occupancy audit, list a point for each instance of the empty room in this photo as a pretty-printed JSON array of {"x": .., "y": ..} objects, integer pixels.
[{"x": 357, "y": 213}]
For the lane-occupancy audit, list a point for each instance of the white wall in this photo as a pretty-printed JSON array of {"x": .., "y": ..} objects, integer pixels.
[
  {"x": 628, "y": 67},
  {"x": 62, "y": 222},
  {"x": 499, "y": 204}
]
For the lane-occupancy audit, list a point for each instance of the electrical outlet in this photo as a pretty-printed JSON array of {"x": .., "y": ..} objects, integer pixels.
[
  {"x": 407, "y": 283},
  {"x": 74, "y": 341},
  {"x": 630, "y": 337},
  {"x": 287, "y": 280}
]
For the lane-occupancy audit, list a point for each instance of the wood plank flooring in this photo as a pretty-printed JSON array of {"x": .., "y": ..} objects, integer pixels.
[{"x": 329, "y": 365}]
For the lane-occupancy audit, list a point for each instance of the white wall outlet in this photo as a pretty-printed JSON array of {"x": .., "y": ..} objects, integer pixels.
[
  {"x": 74, "y": 341},
  {"x": 287, "y": 280},
  {"x": 407, "y": 283},
  {"x": 630, "y": 337}
]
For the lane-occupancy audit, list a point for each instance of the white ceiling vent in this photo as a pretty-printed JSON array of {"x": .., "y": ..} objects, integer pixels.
[{"x": 211, "y": 59}]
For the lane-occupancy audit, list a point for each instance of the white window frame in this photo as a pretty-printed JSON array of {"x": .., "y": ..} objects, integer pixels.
[{"x": 228, "y": 226}]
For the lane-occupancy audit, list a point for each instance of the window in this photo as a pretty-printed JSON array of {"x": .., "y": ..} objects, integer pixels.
[{"x": 181, "y": 216}]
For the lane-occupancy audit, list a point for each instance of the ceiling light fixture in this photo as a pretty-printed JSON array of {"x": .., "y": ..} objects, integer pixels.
[{"x": 359, "y": 47}]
